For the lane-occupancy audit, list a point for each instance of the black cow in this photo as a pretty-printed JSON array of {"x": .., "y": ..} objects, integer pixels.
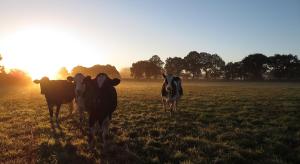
[
  {"x": 57, "y": 92},
  {"x": 101, "y": 101},
  {"x": 171, "y": 92}
]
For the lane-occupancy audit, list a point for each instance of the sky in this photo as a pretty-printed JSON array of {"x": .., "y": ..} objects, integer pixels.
[{"x": 43, "y": 35}]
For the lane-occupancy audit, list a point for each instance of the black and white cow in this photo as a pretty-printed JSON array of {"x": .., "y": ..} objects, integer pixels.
[
  {"x": 57, "y": 92},
  {"x": 79, "y": 90},
  {"x": 101, "y": 100},
  {"x": 171, "y": 92}
]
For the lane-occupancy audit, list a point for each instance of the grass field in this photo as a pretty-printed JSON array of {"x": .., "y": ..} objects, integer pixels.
[{"x": 217, "y": 123}]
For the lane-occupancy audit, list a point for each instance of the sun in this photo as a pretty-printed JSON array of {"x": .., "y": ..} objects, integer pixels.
[{"x": 42, "y": 51}]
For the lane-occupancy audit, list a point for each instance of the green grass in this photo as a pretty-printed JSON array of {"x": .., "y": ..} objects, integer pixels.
[{"x": 217, "y": 123}]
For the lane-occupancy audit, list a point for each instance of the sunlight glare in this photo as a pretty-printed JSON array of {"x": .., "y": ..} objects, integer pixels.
[{"x": 43, "y": 51}]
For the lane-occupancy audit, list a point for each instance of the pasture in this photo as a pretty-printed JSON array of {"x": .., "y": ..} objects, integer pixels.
[{"x": 217, "y": 122}]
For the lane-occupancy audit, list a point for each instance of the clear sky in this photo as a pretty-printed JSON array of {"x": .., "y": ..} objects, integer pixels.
[{"x": 119, "y": 32}]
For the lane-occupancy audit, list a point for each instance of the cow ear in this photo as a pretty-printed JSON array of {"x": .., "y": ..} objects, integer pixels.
[
  {"x": 164, "y": 75},
  {"x": 86, "y": 79},
  {"x": 37, "y": 81},
  {"x": 70, "y": 78},
  {"x": 115, "y": 81}
]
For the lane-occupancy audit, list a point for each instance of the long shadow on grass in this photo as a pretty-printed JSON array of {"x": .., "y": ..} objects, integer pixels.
[
  {"x": 59, "y": 152},
  {"x": 62, "y": 150}
]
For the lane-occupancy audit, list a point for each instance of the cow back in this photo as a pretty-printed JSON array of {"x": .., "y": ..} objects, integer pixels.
[{"x": 59, "y": 91}]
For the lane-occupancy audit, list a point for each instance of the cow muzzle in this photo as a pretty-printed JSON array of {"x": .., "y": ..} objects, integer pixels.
[{"x": 169, "y": 88}]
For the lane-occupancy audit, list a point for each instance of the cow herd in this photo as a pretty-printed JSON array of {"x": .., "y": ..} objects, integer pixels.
[{"x": 98, "y": 97}]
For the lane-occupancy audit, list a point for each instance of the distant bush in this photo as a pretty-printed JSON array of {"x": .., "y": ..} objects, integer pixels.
[
  {"x": 15, "y": 77},
  {"x": 96, "y": 69}
]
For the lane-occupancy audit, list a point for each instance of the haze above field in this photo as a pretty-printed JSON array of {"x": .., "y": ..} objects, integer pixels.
[{"x": 42, "y": 36}]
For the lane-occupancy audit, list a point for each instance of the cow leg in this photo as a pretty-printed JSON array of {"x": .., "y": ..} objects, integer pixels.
[
  {"x": 164, "y": 104},
  {"x": 50, "y": 108},
  {"x": 81, "y": 115},
  {"x": 91, "y": 134},
  {"x": 57, "y": 112},
  {"x": 71, "y": 108},
  {"x": 105, "y": 130},
  {"x": 80, "y": 106},
  {"x": 175, "y": 105},
  {"x": 171, "y": 107}
]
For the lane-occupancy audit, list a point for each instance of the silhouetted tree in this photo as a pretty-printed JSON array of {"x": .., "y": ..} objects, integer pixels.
[
  {"x": 96, "y": 69},
  {"x": 213, "y": 65},
  {"x": 155, "y": 59},
  {"x": 193, "y": 63},
  {"x": 13, "y": 77},
  {"x": 155, "y": 67},
  {"x": 125, "y": 73},
  {"x": 2, "y": 69},
  {"x": 254, "y": 66},
  {"x": 233, "y": 71},
  {"x": 147, "y": 68},
  {"x": 63, "y": 73},
  {"x": 137, "y": 70},
  {"x": 283, "y": 66},
  {"x": 174, "y": 65}
]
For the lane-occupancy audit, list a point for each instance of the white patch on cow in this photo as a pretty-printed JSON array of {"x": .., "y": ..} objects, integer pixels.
[
  {"x": 171, "y": 101},
  {"x": 169, "y": 79},
  {"x": 79, "y": 87},
  {"x": 79, "y": 90},
  {"x": 100, "y": 80}
]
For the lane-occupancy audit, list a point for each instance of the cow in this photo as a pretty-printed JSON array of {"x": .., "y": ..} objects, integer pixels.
[
  {"x": 57, "y": 92},
  {"x": 101, "y": 100},
  {"x": 79, "y": 90},
  {"x": 171, "y": 92}
]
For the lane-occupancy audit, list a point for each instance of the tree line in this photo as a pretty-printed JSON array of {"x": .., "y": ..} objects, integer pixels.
[
  {"x": 15, "y": 77},
  {"x": 208, "y": 66},
  {"x": 96, "y": 69},
  {"x": 93, "y": 71},
  {"x": 12, "y": 77}
]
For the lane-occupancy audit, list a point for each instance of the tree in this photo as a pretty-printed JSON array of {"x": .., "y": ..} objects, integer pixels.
[
  {"x": 155, "y": 59},
  {"x": 125, "y": 73},
  {"x": 233, "y": 71},
  {"x": 283, "y": 66},
  {"x": 137, "y": 70},
  {"x": 14, "y": 77},
  {"x": 213, "y": 65},
  {"x": 63, "y": 73},
  {"x": 255, "y": 65},
  {"x": 174, "y": 65},
  {"x": 193, "y": 63},
  {"x": 2, "y": 69},
  {"x": 93, "y": 71},
  {"x": 147, "y": 68},
  {"x": 155, "y": 67}
]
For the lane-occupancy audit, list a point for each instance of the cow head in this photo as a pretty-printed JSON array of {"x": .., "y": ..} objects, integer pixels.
[
  {"x": 94, "y": 86},
  {"x": 169, "y": 83},
  {"x": 89, "y": 85},
  {"x": 103, "y": 80},
  {"x": 43, "y": 84},
  {"x": 78, "y": 81}
]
